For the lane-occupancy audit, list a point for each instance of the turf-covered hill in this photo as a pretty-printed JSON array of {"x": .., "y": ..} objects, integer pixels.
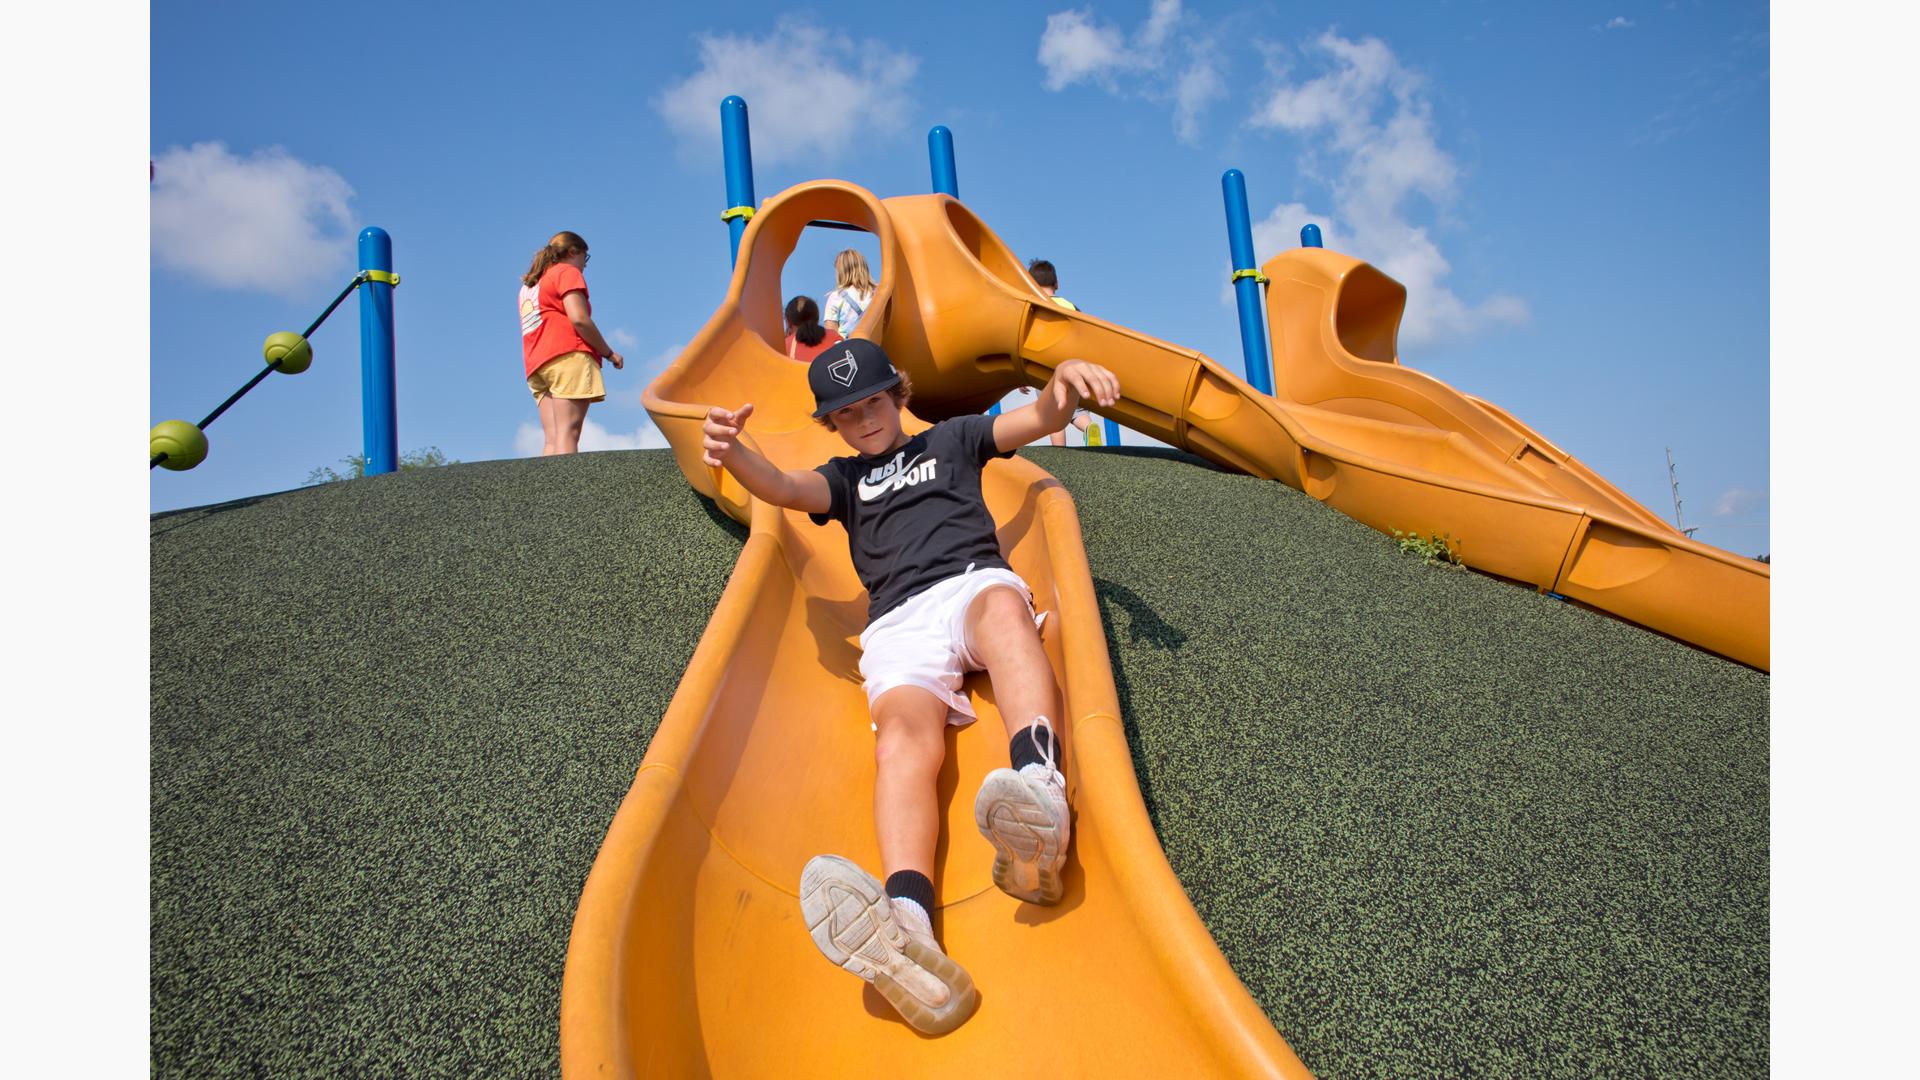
[{"x": 1440, "y": 825}]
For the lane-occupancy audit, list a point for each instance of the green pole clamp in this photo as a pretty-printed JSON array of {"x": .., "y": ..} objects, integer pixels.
[
  {"x": 380, "y": 276},
  {"x": 1254, "y": 274},
  {"x": 744, "y": 213}
]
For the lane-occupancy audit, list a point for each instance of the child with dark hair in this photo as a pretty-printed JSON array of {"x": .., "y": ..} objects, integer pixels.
[
  {"x": 1045, "y": 276},
  {"x": 806, "y": 338},
  {"x": 942, "y": 601}
]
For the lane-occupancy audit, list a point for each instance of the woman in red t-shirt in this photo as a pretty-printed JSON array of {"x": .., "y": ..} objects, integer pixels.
[
  {"x": 806, "y": 338},
  {"x": 561, "y": 345}
]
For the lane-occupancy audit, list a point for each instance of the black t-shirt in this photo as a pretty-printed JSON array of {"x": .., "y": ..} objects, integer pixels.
[{"x": 915, "y": 516}]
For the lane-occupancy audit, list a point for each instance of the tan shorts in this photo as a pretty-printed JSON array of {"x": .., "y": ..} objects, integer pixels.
[{"x": 573, "y": 375}]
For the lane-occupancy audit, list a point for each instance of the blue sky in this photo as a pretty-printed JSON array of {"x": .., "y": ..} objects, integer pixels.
[{"x": 1575, "y": 195}]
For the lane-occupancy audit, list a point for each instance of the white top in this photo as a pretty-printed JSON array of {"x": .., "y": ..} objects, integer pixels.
[{"x": 845, "y": 306}]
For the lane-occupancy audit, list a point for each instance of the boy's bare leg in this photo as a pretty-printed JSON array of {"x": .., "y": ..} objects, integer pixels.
[
  {"x": 1022, "y": 811},
  {"x": 1001, "y": 628},
  {"x": 857, "y": 920},
  {"x": 908, "y": 752}
]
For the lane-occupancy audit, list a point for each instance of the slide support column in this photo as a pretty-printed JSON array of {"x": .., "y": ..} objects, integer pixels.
[
  {"x": 737, "y": 148},
  {"x": 1247, "y": 280},
  {"x": 379, "y": 424}
]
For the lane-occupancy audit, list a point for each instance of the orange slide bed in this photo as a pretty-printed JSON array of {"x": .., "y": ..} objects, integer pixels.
[{"x": 689, "y": 955}]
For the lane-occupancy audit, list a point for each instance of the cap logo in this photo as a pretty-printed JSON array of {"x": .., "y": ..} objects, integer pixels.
[{"x": 844, "y": 369}]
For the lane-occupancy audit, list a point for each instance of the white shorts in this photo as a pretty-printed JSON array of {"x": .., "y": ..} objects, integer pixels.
[{"x": 923, "y": 642}]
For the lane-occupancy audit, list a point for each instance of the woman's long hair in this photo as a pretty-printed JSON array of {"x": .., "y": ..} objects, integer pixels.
[
  {"x": 850, "y": 272},
  {"x": 563, "y": 244},
  {"x": 804, "y": 316}
]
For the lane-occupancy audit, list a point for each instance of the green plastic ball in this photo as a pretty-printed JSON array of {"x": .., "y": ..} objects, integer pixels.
[
  {"x": 293, "y": 351},
  {"x": 184, "y": 445}
]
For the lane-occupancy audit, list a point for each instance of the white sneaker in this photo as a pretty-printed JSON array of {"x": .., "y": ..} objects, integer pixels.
[
  {"x": 856, "y": 926},
  {"x": 1024, "y": 815}
]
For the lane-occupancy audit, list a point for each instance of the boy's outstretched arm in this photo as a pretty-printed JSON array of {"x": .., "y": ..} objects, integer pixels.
[
  {"x": 1073, "y": 381},
  {"x": 795, "y": 490}
]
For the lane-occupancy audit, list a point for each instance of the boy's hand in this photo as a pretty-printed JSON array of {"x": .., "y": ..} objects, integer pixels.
[
  {"x": 723, "y": 432},
  {"x": 616, "y": 360},
  {"x": 1076, "y": 380}
]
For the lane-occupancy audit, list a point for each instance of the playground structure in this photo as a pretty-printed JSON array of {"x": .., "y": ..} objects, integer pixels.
[
  {"x": 177, "y": 445},
  {"x": 689, "y": 954}
]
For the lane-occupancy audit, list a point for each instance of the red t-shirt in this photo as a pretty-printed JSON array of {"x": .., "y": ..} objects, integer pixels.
[
  {"x": 545, "y": 329},
  {"x": 806, "y": 353}
]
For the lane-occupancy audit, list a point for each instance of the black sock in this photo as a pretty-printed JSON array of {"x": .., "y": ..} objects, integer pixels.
[
  {"x": 1024, "y": 751},
  {"x": 912, "y": 885}
]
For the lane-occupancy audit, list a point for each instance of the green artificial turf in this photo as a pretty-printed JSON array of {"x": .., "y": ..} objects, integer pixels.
[
  {"x": 1439, "y": 825},
  {"x": 392, "y": 719}
]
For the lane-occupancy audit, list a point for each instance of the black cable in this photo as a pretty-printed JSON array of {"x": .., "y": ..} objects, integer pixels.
[{"x": 358, "y": 280}]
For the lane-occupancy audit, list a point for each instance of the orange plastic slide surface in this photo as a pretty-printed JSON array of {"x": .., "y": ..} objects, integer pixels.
[{"x": 689, "y": 955}]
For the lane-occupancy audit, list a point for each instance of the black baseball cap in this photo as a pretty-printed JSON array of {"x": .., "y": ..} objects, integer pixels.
[{"x": 847, "y": 372}]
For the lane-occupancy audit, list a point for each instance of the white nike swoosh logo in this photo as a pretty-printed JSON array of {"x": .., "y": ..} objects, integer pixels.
[{"x": 870, "y": 492}]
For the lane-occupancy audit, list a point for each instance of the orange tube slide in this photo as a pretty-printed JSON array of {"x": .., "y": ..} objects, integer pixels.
[{"x": 1383, "y": 444}]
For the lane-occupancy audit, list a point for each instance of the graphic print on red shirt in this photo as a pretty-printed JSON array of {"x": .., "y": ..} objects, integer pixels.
[{"x": 545, "y": 329}]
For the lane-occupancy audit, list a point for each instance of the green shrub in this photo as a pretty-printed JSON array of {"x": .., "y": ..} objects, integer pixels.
[
  {"x": 428, "y": 457},
  {"x": 1438, "y": 548}
]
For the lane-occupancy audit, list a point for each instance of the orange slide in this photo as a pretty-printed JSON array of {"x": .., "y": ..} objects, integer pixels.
[
  {"x": 689, "y": 955},
  {"x": 1347, "y": 424}
]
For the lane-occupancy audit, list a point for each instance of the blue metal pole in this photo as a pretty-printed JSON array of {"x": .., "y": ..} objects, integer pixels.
[
  {"x": 946, "y": 179},
  {"x": 380, "y": 435},
  {"x": 1310, "y": 236},
  {"x": 1246, "y": 282},
  {"x": 737, "y": 148},
  {"x": 1113, "y": 431}
]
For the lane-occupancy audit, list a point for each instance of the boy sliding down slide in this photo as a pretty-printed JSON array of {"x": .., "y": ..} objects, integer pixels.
[{"x": 941, "y": 602}]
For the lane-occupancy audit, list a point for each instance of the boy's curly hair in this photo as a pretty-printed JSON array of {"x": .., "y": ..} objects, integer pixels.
[{"x": 900, "y": 394}]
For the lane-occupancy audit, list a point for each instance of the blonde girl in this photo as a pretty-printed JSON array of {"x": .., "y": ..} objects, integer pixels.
[{"x": 853, "y": 291}]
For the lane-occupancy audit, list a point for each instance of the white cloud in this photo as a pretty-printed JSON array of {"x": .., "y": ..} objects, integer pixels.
[
  {"x": 1073, "y": 49},
  {"x": 658, "y": 362},
  {"x": 622, "y": 337},
  {"x": 528, "y": 440},
  {"x": 268, "y": 221},
  {"x": 1711, "y": 89},
  {"x": 1734, "y": 501},
  {"x": 1368, "y": 128},
  {"x": 639, "y": 373},
  {"x": 1199, "y": 84},
  {"x": 1618, "y": 22},
  {"x": 1160, "y": 23},
  {"x": 1281, "y": 230},
  {"x": 644, "y": 437},
  {"x": 810, "y": 93},
  {"x": 1163, "y": 62}
]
